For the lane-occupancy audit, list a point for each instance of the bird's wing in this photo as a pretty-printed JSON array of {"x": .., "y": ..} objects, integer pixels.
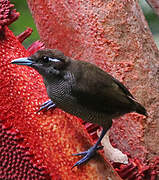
[
  {"x": 123, "y": 88},
  {"x": 98, "y": 90}
]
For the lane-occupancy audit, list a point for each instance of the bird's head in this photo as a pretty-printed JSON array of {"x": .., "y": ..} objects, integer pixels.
[{"x": 48, "y": 62}]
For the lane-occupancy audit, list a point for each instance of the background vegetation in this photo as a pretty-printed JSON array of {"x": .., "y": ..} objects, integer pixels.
[{"x": 25, "y": 20}]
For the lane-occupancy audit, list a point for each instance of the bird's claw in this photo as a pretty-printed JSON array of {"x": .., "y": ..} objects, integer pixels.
[
  {"x": 47, "y": 105},
  {"x": 87, "y": 155}
]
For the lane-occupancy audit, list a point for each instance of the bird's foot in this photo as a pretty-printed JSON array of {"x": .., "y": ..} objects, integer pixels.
[
  {"x": 87, "y": 155},
  {"x": 47, "y": 105}
]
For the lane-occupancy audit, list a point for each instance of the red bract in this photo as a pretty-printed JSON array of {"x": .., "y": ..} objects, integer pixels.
[
  {"x": 37, "y": 145},
  {"x": 114, "y": 35}
]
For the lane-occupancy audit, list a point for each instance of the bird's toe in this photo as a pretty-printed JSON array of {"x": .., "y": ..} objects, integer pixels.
[
  {"x": 87, "y": 155},
  {"x": 47, "y": 105}
]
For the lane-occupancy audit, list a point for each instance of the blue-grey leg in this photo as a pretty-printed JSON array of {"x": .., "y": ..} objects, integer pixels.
[
  {"x": 90, "y": 152},
  {"x": 47, "y": 105}
]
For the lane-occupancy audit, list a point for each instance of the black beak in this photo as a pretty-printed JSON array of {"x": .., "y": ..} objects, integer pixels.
[{"x": 22, "y": 61}]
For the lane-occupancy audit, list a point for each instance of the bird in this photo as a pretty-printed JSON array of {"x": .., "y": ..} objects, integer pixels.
[{"x": 82, "y": 89}]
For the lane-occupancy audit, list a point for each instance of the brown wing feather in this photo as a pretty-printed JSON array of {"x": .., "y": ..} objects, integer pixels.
[{"x": 102, "y": 91}]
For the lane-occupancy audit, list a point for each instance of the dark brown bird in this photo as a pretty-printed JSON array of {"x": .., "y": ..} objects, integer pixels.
[{"x": 82, "y": 89}]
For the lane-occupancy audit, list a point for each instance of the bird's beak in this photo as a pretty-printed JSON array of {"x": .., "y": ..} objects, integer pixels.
[{"x": 22, "y": 61}]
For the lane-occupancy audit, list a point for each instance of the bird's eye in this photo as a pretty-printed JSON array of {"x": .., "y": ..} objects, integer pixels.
[{"x": 49, "y": 59}]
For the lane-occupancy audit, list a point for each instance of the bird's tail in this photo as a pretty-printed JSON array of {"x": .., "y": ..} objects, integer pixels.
[{"x": 140, "y": 109}]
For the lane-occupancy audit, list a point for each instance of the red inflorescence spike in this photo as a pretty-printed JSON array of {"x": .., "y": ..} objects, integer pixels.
[
  {"x": 7, "y": 13},
  {"x": 15, "y": 161}
]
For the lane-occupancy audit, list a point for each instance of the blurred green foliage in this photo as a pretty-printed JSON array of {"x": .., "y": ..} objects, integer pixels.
[
  {"x": 152, "y": 19},
  {"x": 25, "y": 20}
]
